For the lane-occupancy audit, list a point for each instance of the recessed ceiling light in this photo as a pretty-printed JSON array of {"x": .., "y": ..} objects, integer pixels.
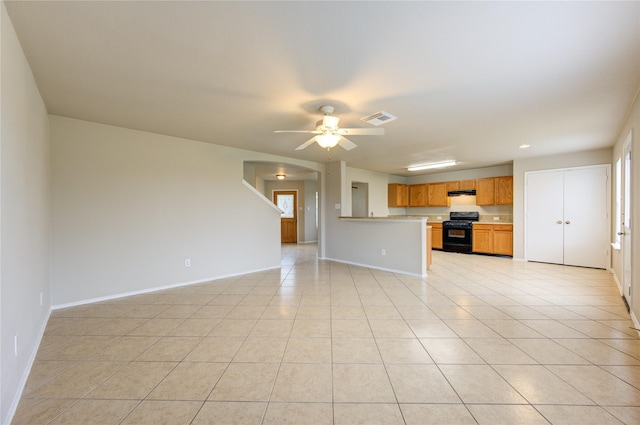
[
  {"x": 442, "y": 164},
  {"x": 525, "y": 146}
]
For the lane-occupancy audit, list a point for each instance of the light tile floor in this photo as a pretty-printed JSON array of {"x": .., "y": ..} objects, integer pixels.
[{"x": 482, "y": 340}]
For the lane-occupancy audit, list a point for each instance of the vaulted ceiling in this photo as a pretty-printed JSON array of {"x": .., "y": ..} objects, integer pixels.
[{"x": 469, "y": 81}]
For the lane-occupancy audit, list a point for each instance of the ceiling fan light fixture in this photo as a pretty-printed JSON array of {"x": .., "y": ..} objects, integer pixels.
[
  {"x": 280, "y": 176},
  {"x": 442, "y": 164},
  {"x": 328, "y": 140}
]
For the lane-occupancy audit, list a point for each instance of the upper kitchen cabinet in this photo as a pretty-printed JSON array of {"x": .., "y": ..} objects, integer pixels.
[
  {"x": 467, "y": 184},
  {"x": 398, "y": 195},
  {"x": 494, "y": 191},
  {"x": 418, "y": 195},
  {"x": 504, "y": 190},
  {"x": 438, "y": 195}
]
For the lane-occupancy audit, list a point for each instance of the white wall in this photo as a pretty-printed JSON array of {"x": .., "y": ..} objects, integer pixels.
[
  {"x": 377, "y": 190},
  {"x": 129, "y": 207},
  {"x": 579, "y": 159},
  {"x": 632, "y": 123},
  {"x": 25, "y": 207}
]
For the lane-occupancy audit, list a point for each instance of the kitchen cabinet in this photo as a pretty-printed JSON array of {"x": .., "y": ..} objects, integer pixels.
[
  {"x": 504, "y": 190},
  {"x": 567, "y": 216},
  {"x": 467, "y": 184},
  {"x": 398, "y": 195},
  {"x": 492, "y": 238},
  {"x": 418, "y": 195},
  {"x": 438, "y": 195},
  {"x": 453, "y": 186},
  {"x": 436, "y": 235},
  {"x": 494, "y": 191}
]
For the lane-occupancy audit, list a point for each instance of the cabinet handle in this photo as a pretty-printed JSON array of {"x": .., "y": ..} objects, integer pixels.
[
  {"x": 567, "y": 222},
  {"x": 559, "y": 222}
]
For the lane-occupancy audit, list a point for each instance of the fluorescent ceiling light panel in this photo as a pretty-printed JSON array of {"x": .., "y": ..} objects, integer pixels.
[{"x": 442, "y": 164}]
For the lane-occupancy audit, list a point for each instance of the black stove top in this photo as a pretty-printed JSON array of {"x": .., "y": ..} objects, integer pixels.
[{"x": 461, "y": 220}]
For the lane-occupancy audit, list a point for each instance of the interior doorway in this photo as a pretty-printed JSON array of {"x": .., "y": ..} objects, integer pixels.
[
  {"x": 359, "y": 199},
  {"x": 287, "y": 201}
]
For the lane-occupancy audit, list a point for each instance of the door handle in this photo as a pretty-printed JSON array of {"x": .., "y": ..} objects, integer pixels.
[
  {"x": 621, "y": 233},
  {"x": 559, "y": 222},
  {"x": 567, "y": 222}
]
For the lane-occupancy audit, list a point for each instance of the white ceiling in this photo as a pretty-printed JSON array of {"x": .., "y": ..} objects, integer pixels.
[{"x": 469, "y": 81}]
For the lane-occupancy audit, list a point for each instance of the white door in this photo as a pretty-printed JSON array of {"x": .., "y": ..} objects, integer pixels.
[
  {"x": 566, "y": 216},
  {"x": 626, "y": 223},
  {"x": 586, "y": 223},
  {"x": 544, "y": 217}
]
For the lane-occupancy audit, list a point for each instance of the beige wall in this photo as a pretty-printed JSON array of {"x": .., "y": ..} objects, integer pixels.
[
  {"x": 25, "y": 210},
  {"x": 632, "y": 124},
  {"x": 129, "y": 207}
]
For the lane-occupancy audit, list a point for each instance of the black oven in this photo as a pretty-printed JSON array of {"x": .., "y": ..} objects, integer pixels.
[{"x": 457, "y": 231}]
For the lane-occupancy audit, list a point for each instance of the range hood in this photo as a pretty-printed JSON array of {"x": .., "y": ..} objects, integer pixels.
[{"x": 468, "y": 192}]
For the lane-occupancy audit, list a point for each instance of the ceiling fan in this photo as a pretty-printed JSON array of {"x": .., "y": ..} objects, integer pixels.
[{"x": 328, "y": 134}]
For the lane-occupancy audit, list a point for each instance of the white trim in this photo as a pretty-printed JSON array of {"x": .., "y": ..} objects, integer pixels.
[
  {"x": 154, "y": 289},
  {"x": 261, "y": 196},
  {"x": 635, "y": 322},
  {"x": 23, "y": 381},
  {"x": 375, "y": 267},
  {"x": 617, "y": 281}
]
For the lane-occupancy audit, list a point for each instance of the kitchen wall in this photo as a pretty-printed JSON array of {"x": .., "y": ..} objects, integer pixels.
[
  {"x": 25, "y": 287},
  {"x": 461, "y": 203}
]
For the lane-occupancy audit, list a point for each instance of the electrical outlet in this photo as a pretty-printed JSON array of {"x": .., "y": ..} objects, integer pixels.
[
  {"x": 15, "y": 344},
  {"x": 496, "y": 218},
  {"x": 383, "y": 251},
  {"x": 187, "y": 262},
  {"x": 337, "y": 206},
  {"x": 439, "y": 217}
]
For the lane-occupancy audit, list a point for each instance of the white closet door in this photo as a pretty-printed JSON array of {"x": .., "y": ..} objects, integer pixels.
[
  {"x": 585, "y": 217},
  {"x": 544, "y": 217}
]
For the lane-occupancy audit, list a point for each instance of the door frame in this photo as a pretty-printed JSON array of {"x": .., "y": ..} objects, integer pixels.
[
  {"x": 274, "y": 192},
  {"x": 626, "y": 242}
]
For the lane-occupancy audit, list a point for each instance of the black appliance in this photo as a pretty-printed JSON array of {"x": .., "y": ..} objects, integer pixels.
[
  {"x": 466, "y": 192},
  {"x": 457, "y": 231}
]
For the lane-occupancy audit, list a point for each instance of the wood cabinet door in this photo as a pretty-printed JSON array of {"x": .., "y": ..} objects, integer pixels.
[
  {"x": 418, "y": 196},
  {"x": 436, "y": 235},
  {"x": 504, "y": 190},
  {"x": 485, "y": 191},
  {"x": 503, "y": 239},
  {"x": 481, "y": 239},
  {"x": 438, "y": 195},
  {"x": 398, "y": 195},
  {"x": 467, "y": 184},
  {"x": 453, "y": 186}
]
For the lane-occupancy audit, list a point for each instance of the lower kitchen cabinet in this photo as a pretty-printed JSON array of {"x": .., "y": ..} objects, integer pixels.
[
  {"x": 436, "y": 230},
  {"x": 492, "y": 239}
]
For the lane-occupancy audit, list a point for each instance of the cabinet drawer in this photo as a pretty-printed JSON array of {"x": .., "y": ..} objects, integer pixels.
[
  {"x": 505, "y": 227},
  {"x": 482, "y": 226}
]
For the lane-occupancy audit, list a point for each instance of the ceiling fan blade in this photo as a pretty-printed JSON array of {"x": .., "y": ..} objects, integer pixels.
[
  {"x": 361, "y": 131},
  {"x": 347, "y": 144},
  {"x": 307, "y": 143},
  {"x": 298, "y": 131}
]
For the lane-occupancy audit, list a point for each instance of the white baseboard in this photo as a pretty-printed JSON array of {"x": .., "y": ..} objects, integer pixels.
[
  {"x": 153, "y": 289},
  {"x": 369, "y": 266},
  {"x": 635, "y": 322},
  {"x": 27, "y": 372}
]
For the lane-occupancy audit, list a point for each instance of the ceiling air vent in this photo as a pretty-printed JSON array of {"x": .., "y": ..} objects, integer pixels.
[{"x": 379, "y": 118}]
